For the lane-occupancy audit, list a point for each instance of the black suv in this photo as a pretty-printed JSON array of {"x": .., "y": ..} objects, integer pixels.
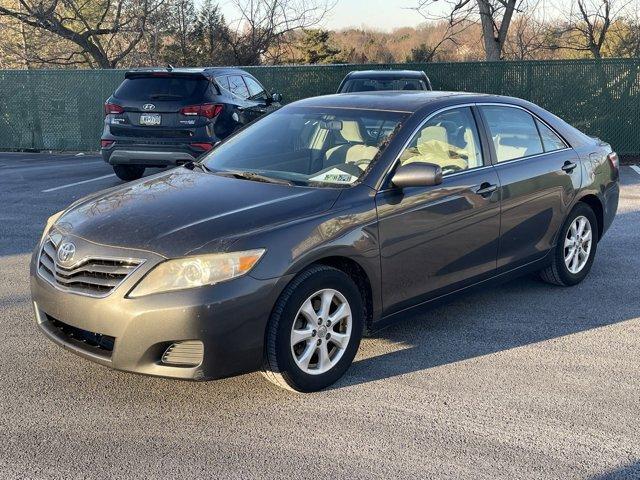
[
  {"x": 158, "y": 118},
  {"x": 376, "y": 80}
]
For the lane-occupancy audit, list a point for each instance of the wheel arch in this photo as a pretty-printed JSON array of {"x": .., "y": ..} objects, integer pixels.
[
  {"x": 598, "y": 209},
  {"x": 358, "y": 274}
]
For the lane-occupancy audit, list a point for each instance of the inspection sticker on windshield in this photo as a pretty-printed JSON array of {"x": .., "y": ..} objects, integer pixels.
[{"x": 335, "y": 175}]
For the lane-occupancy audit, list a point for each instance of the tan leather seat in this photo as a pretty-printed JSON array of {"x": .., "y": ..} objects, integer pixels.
[
  {"x": 433, "y": 147},
  {"x": 355, "y": 151},
  {"x": 513, "y": 147}
]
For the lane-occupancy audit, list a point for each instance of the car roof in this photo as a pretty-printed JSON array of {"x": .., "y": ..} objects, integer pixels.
[
  {"x": 386, "y": 74},
  {"x": 206, "y": 71},
  {"x": 398, "y": 101}
]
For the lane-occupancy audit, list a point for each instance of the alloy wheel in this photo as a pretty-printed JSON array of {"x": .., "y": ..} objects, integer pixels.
[
  {"x": 321, "y": 331},
  {"x": 577, "y": 244}
]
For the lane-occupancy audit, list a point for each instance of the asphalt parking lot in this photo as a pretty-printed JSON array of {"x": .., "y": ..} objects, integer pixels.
[{"x": 526, "y": 380}]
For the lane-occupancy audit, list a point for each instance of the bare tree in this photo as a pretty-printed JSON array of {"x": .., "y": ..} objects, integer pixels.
[
  {"x": 528, "y": 37},
  {"x": 457, "y": 19},
  {"x": 494, "y": 16},
  {"x": 588, "y": 23},
  {"x": 626, "y": 35},
  {"x": 264, "y": 27},
  {"x": 102, "y": 32}
]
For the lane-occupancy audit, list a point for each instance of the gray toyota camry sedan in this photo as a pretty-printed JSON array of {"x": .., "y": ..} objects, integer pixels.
[{"x": 321, "y": 221}]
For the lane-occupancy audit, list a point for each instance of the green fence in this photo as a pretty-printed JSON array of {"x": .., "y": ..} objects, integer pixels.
[{"x": 62, "y": 109}]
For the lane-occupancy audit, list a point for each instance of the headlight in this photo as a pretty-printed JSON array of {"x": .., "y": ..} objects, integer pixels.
[
  {"x": 190, "y": 272},
  {"x": 50, "y": 222}
]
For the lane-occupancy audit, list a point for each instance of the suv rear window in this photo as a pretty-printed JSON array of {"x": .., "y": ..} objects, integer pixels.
[{"x": 162, "y": 88}]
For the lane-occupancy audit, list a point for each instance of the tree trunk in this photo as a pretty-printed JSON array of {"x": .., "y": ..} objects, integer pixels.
[
  {"x": 494, "y": 41},
  {"x": 492, "y": 47}
]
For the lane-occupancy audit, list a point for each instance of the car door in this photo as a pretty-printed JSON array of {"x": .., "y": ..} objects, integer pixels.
[
  {"x": 439, "y": 238},
  {"x": 539, "y": 177}
]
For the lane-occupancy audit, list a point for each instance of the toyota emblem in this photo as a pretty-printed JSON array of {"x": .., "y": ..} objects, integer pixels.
[{"x": 66, "y": 251}]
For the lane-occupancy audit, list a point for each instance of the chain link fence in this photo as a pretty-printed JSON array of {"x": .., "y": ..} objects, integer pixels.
[{"x": 63, "y": 109}]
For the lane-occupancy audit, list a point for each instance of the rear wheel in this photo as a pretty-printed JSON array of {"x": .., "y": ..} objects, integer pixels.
[
  {"x": 128, "y": 172},
  {"x": 314, "y": 331},
  {"x": 575, "y": 250}
]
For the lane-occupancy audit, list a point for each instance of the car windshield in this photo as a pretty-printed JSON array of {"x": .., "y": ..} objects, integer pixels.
[
  {"x": 373, "y": 85},
  {"x": 307, "y": 146}
]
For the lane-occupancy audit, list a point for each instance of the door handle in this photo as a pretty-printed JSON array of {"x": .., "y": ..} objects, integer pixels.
[
  {"x": 486, "y": 189},
  {"x": 569, "y": 166}
]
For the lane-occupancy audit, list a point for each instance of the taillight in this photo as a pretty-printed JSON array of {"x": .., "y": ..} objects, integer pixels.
[
  {"x": 106, "y": 143},
  {"x": 112, "y": 108},
  {"x": 613, "y": 160},
  {"x": 208, "y": 110},
  {"x": 203, "y": 146}
]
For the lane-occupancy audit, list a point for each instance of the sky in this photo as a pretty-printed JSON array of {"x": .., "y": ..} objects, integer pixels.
[{"x": 378, "y": 14}]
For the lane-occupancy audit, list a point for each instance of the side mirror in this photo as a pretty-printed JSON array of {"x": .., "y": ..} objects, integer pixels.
[
  {"x": 417, "y": 174},
  {"x": 276, "y": 98}
]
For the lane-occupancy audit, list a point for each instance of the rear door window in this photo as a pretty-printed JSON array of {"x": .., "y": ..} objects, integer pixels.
[
  {"x": 513, "y": 131},
  {"x": 237, "y": 86},
  {"x": 145, "y": 88}
]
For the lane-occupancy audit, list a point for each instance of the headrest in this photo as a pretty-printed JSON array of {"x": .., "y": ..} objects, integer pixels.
[{"x": 351, "y": 131}]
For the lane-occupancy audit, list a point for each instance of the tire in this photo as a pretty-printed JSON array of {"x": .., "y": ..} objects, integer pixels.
[
  {"x": 128, "y": 172},
  {"x": 558, "y": 272},
  {"x": 282, "y": 354}
]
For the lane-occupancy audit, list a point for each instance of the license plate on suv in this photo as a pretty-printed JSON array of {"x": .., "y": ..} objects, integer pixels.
[{"x": 150, "y": 119}]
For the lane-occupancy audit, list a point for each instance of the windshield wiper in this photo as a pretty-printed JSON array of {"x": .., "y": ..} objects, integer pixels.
[
  {"x": 193, "y": 165},
  {"x": 256, "y": 177}
]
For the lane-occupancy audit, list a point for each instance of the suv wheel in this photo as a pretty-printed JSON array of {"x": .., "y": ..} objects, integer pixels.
[
  {"x": 128, "y": 172},
  {"x": 314, "y": 331},
  {"x": 575, "y": 250}
]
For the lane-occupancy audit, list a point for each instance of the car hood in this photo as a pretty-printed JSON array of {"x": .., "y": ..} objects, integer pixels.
[{"x": 181, "y": 211}]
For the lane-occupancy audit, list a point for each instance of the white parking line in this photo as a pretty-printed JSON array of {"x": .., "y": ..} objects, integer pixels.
[
  {"x": 77, "y": 183},
  {"x": 635, "y": 168},
  {"x": 31, "y": 168}
]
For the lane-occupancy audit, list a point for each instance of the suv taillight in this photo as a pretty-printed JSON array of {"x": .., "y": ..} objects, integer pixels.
[
  {"x": 208, "y": 110},
  {"x": 613, "y": 160},
  {"x": 112, "y": 108}
]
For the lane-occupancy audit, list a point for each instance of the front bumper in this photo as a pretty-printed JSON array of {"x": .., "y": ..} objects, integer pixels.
[{"x": 229, "y": 319}]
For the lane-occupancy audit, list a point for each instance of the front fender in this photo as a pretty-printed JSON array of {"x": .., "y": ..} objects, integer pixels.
[{"x": 348, "y": 230}]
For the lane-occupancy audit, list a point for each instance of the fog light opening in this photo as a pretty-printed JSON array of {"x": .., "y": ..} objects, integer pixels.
[{"x": 188, "y": 353}]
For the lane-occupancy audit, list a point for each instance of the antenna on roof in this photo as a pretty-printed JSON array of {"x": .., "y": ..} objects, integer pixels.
[{"x": 169, "y": 67}]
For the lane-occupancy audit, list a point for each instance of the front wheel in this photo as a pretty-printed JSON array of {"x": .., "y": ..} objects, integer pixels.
[
  {"x": 575, "y": 250},
  {"x": 314, "y": 331},
  {"x": 128, "y": 172}
]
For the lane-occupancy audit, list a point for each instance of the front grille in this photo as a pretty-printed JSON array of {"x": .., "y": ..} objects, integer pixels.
[
  {"x": 92, "y": 339},
  {"x": 92, "y": 276}
]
